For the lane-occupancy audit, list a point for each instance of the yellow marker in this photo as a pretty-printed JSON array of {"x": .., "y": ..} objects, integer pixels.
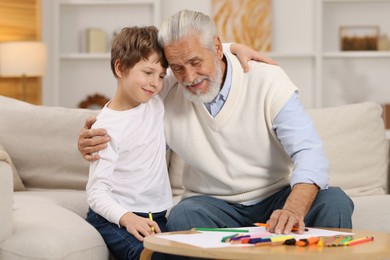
[
  {"x": 151, "y": 218},
  {"x": 280, "y": 238},
  {"x": 320, "y": 243}
]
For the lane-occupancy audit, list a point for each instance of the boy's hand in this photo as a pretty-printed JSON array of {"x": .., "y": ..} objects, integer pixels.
[
  {"x": 138, "y": 226},
  {"x": 92, "y": 141}
]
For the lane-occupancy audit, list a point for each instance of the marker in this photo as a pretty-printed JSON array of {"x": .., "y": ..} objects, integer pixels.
[
  {"x": 151, "y": 218},
  {"x": 281, "y": 238},
  {"x": 239, "y": 239},
  {"x": 245, "y": 240},
  {"x": 359, "y": 241},
  {"x": 259, "y": 240},
  {"x": 290, "y": 242},
  {"x": 345, "y": 240},
  {"x": 223, "y": 230},
  {"x": 267, "y": 225},
  {"x": 307, "y": 241},
  {"x": 229, "y": 238},
  {"x": 337, "y": 240},
  {"x": 269, "y": 244},
  {"x": 330, "y": 240}
]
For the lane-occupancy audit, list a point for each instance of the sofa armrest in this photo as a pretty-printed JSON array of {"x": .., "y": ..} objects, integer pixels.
[
  {"x": 6, "y": 200},
  {"x": 388, "y": 166}
]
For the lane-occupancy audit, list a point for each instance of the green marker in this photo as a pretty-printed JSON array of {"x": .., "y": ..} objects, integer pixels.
[{"x": 227, "y": 238}]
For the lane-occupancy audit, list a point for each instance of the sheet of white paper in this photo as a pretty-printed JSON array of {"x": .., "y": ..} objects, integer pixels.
[{"x": 212, "y": 239}]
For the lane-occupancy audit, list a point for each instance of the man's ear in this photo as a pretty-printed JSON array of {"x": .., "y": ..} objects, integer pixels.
[
  {"x": 218, "y": 47},
  {"x": 118, "y": 70}
]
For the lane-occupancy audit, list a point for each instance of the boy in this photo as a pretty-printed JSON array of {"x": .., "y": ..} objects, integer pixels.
[{"x": 130, "y": 179}]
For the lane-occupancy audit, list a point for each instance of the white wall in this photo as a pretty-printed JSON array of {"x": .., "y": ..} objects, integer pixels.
[
  {"x": 287, "y": 17},
  {"x": 303, "y": 35},
  {"x": 48, "y": 80},
  {"x": 169, "y": 7}
]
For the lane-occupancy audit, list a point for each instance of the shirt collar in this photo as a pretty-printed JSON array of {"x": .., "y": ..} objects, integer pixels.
[
  {"x": 228, "y": 80},
  {"x": 224, "y": 92}
]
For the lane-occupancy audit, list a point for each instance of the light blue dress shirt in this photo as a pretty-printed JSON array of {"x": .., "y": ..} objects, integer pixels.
[
  {"x": 216, "y": 105},
  {"x": 297, "y": 134}
]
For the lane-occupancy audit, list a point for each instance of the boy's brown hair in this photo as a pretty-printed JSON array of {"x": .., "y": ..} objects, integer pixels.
[{"x": 133, "y": 44}]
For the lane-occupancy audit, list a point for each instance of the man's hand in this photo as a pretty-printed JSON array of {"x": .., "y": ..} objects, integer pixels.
[
  {"x": 245, "y": 54},
  {"x": 294, "y": 211},
  {"x": 138, "y": 226},
  {"x": 92, "y": 140}
]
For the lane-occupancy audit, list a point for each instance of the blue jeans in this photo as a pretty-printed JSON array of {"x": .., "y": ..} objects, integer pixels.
[
  {"x": 331, "y": 208},
  {"x": 121, "y": 243}
]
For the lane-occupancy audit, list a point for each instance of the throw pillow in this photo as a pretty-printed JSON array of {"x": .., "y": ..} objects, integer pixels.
[
  {"x": 42, "y": 142},
  {"x": 354, "y": 141},
  {"x": 18, "y": 184}
]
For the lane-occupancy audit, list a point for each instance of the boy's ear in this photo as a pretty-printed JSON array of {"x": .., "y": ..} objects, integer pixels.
[{"x": 118, "y": 70}]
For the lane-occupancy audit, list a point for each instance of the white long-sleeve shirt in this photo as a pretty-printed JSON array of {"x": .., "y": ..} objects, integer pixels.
[{"x": 131, "y": 174}]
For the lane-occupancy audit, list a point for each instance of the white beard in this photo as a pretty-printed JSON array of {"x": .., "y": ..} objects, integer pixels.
[{"x": 214, "y": 87}]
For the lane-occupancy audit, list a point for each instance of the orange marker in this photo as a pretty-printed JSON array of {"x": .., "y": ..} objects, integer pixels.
[
  {"x": 307, "y": 241},
  {"x": 359, "y": 241},
  {"x": 337, "y": 240},
  {"x": 267, "y": 225},
  {"x": 333, "y": 241}
]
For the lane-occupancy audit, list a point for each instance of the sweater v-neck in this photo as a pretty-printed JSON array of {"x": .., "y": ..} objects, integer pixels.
[{"x": 228, "y": 109}]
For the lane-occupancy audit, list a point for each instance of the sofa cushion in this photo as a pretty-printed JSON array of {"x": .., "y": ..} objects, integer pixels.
[
  {"x": 42, "y": 143},
  {"x": 18, "y": 184},
  {"x": 371, "y": 213},
  {"x": 6, "y": 200},
  {"x": 51, "y": 224},
  {"x": 355, "y": 144}
]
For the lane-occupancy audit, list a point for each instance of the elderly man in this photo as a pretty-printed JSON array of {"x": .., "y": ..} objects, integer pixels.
[{"x": 252, "y": 152}]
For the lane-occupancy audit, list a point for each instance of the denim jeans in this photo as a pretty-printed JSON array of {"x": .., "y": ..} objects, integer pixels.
[
  {"x": 119, "y": 241},
  {"x": 331, "y": 208}
]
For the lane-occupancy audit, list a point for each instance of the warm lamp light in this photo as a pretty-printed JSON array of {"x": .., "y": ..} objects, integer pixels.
[{"x": 23, "y": 59}]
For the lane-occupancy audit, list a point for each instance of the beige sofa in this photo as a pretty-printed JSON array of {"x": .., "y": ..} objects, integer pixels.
[{"x": 43, "y": 218}]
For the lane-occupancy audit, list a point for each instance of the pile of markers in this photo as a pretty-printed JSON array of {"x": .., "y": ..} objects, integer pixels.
[
  {"x": 268, "y": 241},
  {"x": 346, "y": 241},
  {"x": 290, "y": 240}
]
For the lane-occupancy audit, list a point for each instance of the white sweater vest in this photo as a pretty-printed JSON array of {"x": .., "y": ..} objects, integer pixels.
[{"x": 235, "y": 156}]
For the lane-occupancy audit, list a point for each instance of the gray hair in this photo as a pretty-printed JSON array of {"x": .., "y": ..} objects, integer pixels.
[{"x": 183, "y": 24}]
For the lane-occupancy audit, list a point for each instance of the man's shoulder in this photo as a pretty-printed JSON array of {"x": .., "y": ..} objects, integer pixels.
[
  {"x": 264, "y": 71},
  {"x": 255, "y": 67},
  {"x": 258, "y": 65}
]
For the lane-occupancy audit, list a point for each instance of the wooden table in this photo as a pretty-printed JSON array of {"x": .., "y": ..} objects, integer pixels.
[{"x": 377, "y": 249}]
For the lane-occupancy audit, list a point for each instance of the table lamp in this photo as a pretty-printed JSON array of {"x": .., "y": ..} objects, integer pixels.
[{"x": 23, "y": 59}]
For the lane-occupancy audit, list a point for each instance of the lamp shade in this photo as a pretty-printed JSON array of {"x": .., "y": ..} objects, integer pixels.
[{"x": 27, "y": 59}]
